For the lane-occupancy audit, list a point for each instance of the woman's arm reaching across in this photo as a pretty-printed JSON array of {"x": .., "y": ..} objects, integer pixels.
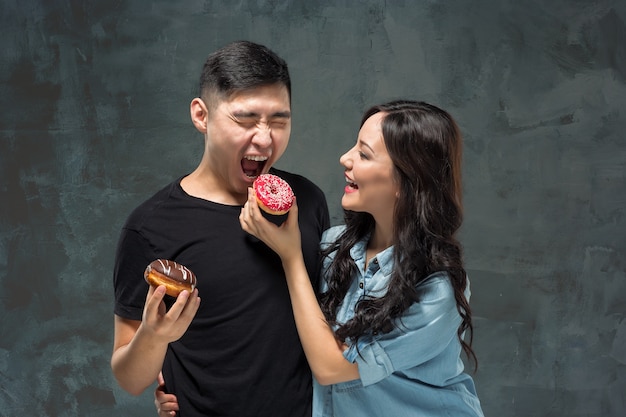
[{"x": 324, "y": 353}]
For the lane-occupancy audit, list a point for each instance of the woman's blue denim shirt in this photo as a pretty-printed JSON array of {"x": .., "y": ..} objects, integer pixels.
[{"x": 414, "y": 370}]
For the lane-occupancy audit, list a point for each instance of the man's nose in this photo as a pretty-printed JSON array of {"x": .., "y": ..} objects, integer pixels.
[{"x": 263, "y": 136}]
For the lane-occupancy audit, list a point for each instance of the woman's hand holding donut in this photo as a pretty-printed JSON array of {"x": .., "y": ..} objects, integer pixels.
[
  {"x": 169, "y": 326},
  {"x": 285, "y": 239}
]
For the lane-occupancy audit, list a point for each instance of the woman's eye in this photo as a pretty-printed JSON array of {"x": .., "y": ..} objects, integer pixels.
[{"x": 362, "y": 155}]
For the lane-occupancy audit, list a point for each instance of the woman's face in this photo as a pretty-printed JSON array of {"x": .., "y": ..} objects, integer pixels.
[{"x": 370, "y": 175}]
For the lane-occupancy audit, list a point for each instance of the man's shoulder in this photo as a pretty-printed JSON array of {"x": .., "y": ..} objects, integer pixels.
[{"x": 149, "y": 205}]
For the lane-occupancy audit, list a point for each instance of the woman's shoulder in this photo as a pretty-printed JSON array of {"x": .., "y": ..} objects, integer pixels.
[
  {"x": 436, "y": 286},
  {"x": 439, "y": 285}
]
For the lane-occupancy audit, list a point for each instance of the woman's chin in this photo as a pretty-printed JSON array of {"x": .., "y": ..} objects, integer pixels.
[{"x": 345, "y": 204}]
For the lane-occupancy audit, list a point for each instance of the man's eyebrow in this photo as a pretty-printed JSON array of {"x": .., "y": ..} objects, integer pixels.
[
  {"x": 282, "y": 114},
  {"x": 250, "y": 114}
]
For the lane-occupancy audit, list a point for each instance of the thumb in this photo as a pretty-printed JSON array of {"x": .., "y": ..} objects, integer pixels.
[{"x": 292, "y": 218}]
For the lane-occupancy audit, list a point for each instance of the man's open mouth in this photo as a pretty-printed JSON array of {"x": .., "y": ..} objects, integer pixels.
[{"x": 252, "y": 165}]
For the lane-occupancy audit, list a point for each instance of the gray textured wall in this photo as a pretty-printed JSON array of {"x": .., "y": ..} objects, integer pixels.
[{"x": 94, "y": 118}]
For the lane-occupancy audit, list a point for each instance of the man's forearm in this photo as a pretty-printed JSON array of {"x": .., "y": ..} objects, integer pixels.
[{"x": 137, "y": 364}]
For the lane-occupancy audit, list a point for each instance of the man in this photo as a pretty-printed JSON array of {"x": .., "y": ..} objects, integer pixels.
[{"x": 237, "y": 352}]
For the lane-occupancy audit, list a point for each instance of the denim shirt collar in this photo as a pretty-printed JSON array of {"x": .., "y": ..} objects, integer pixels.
[{"x": 384, "y": 259}]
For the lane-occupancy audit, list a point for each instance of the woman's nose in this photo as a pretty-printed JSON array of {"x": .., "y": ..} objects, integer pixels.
[{"x": 345, "y": 159}]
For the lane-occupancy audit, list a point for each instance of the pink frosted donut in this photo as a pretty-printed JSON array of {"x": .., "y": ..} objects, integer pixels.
[{"x": 273, "y": 194}]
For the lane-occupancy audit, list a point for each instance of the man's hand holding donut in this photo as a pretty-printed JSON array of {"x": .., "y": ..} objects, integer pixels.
[
  {"x": 139, "y": 347},
  {"x": 169, "y": 325}
]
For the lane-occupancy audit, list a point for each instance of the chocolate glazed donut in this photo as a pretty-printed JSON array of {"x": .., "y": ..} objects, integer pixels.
[{"x": 174, "y": 276}]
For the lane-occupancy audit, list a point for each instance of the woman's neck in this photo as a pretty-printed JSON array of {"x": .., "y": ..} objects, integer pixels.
[
  {"x": 380, "y": 240},
  {"x": 382, "y": 236}
]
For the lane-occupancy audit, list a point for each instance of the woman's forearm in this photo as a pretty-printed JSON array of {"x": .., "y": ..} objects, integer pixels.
[{"x": 323, "y": 352}]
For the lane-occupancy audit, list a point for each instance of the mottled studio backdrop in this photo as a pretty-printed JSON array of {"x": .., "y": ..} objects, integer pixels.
[{"x": 94, "y": 118}]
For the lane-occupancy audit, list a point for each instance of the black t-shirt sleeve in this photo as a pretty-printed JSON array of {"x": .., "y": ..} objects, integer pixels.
[
  {"x": 324, "y": 214},
  {"x": 132, "y": 256}
]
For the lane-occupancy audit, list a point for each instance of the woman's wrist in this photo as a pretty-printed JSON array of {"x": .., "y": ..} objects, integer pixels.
[{"x": 292, "y": 263}]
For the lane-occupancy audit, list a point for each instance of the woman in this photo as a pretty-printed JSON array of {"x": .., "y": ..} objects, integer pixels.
[{"x": 385, "y": 336}]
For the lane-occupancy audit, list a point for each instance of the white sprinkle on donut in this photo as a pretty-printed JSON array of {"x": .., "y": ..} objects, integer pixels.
[{"x": 273, "y": 194}]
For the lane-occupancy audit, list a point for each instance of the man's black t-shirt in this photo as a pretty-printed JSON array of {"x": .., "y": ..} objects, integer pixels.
[{"x": 241, "y": 355}]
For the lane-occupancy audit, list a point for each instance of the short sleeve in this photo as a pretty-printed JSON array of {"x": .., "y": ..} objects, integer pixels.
[
  {"x": 422, "y": 333},
  {"x": 132, "y": 256}
]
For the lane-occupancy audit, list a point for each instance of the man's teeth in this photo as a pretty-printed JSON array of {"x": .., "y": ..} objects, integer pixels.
[{"x": 256, "y": 158}]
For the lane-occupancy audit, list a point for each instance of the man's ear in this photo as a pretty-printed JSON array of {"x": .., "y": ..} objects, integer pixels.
[{"x": 199, "y": 114}]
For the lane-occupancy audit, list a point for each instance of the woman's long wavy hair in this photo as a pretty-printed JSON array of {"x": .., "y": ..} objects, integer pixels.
[{"x": 425, "y": 146}]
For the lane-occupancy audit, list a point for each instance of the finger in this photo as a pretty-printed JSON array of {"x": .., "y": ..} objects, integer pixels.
[
  {"x": 163, "y": 400},
  {"x": 251, "y": 199},
  {"x": 170, "y": 405},
  {"x": 165, "y": 412},
  {"x": 153, "y": 299},
  {"x": 253, "y": 206},
  {"x": 161, "y": 380},
  {"x": 150, "y": 292},
  {"x": 243, "y": 220},
  {"x": 179, "y": 305},
  {"x": 191, "y": 308},
  {"x": 167, "y": 409},
  {"x": 292, "y": 217},
  {"x": 246, "y": 217},
  {"x": 245, "y": 210},
  {"x": 160, "y": 396}
]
